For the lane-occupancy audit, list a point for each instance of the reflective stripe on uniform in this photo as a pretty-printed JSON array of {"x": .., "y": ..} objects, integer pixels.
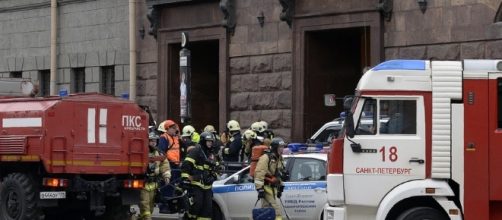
[
  {"x": 150, "y": 186},
  {"x": 199, "y": 184}
]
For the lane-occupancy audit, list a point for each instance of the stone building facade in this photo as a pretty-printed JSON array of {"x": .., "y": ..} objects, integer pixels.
[
  {"x": 92, "y": 38},
  {"x": 252, "y": 60}
]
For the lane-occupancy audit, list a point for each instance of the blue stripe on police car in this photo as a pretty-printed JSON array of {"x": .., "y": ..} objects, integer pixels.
[{"x": 251, "y": 187}]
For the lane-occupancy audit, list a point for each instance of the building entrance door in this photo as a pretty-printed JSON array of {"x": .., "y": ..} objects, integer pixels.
[
  {"x": 204, "y": 83},
  {"x": 334, "y": 62}
]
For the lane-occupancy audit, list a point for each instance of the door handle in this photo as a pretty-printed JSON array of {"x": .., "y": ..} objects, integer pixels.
[
  {"x": 322, "y": 190},
  {"x": 416, "y": 160}
]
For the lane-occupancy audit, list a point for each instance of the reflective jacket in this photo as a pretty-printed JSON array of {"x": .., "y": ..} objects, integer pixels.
[
  {"x": 173, "y": 153},
  {"x": 199, "y": 167},
  {"x": 157, "y": 166},
  {"x": 269, "y": 166}
]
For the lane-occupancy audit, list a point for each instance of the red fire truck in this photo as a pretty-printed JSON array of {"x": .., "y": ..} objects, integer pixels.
[
  {"x": 72, "y": 157},
  {"x": 434, "y": 147}
]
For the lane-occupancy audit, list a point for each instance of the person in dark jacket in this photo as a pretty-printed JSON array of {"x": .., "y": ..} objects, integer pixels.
[
  {"x": 233, "y": 148},
  {"x": 198, "y": 172}
]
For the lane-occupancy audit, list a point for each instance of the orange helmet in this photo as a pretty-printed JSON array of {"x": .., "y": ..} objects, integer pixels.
[{"x": 169, "y": 123}]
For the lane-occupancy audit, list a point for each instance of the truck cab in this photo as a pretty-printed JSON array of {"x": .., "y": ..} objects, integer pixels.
[{"x": 410, "y": 162}]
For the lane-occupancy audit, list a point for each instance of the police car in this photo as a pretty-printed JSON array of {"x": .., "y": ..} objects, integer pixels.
[{"x": 304, "y": 195}]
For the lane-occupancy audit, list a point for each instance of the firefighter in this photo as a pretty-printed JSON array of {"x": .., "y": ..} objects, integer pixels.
[
  {"x": 169, "y": 143},
  {"x": 199, "y": 171},
  {"x": 158, "y": 169},
  {"x": 249, "y": 140},
  {"x": 269, "y": 175},
  {"x": 232, "y": 149},
  {"x": 267, "y": 133},
  {"x": 189, "y": 138},
  {"x": 258, "y": 128},
  {"x": 218, "y": 144}
]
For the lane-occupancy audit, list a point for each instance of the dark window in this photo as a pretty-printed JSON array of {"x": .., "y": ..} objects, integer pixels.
[
  {"x": 308, "y": 169},
  {"x": 367, "y": 120},
  {"x": 108, "y": 80},
  {"x": 17, "y": 74},
  {"x": 45, "y": 82},
  {"x": 398, "y": 117},
  {"x": 327, "y": 135},
  {"x": 78, "y": 80}
]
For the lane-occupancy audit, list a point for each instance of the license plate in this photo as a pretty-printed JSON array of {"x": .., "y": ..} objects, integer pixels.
[{"x": 53, "y": 195}]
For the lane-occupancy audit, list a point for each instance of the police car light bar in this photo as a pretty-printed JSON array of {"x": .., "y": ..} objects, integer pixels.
[{"x": 304, "y": 148}]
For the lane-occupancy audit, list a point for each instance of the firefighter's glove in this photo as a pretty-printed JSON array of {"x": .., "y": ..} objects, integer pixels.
[
  {"x": 209, "y": 179},
  {"x": 166, "y": 180},
  {"x": 261, "y": 193},
  {"x": 280, "y": 189},
  {"x": 226, "y": 151},
  {"x": 185, "y": 183},
  {"x": 285, "y": 175}
]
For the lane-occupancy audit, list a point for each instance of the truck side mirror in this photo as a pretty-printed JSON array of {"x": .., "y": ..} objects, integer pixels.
[
  {"x": 347, "y": 102},
  {"x": 349, "y": 125}
]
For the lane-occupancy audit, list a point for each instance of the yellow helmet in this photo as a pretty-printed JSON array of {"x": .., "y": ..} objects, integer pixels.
[
  {"x": 249, "y": 134},
  {"x": 233, "y": 125},
  {"x": 188, "y": 130},
  {"x": 209, "y": 128},
  {"x": 257, "y": 127}
]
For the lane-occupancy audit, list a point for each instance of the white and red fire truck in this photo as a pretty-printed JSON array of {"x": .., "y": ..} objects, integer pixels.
[{"x": 434, "y": 150}]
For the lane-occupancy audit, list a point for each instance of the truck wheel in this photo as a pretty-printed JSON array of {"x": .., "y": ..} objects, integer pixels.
[
  {"x": 421, "y": 213},
  {"x": 18, "y": 198}
]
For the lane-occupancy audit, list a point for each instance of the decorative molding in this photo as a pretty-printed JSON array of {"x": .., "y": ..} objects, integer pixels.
[
  {"x": 153, "y": 16},
  {"x": 385, "y": 7},
  {"x": 228, "y": 9},
  {"x": 25, "y": 7},
  {"x": 288, "y": 11}
]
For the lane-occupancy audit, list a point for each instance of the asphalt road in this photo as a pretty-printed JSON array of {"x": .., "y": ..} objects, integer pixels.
[{"x": 157, "y": 216}]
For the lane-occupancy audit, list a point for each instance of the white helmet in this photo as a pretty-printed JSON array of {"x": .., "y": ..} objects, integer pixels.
[
  {"x": 188, "y": 130},
  {"x": 233, "y": 125},
  {"x": 264, "y": 124},
  {"x": 249, "y": 134},
  {"x": 209, "y": 128},
  {"x": 161, "y": 127},
  {"x": 257, "y": 127}
]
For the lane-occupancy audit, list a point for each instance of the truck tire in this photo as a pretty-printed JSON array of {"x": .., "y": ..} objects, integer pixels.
[
  {"x": 422, "y": 213},
  {"x": 18, "y": 198}
]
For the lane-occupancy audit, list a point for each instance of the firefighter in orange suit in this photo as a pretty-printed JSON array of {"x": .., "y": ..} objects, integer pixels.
[
  {"x": 158, "y": 169},
  {"x": 170, "y": 144},
  {"x": 269, "y": 173}
]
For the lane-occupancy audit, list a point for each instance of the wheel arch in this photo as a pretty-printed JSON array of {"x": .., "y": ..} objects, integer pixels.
[
  {"x": 413, "y": 191},
  {"x": 7, "y": 168},
  {"x": 217, "y": 202}
]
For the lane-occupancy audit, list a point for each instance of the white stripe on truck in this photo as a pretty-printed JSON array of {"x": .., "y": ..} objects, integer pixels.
[
  {"x": 91, "y": 125},
  {"x": 21, "y": 122}
]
